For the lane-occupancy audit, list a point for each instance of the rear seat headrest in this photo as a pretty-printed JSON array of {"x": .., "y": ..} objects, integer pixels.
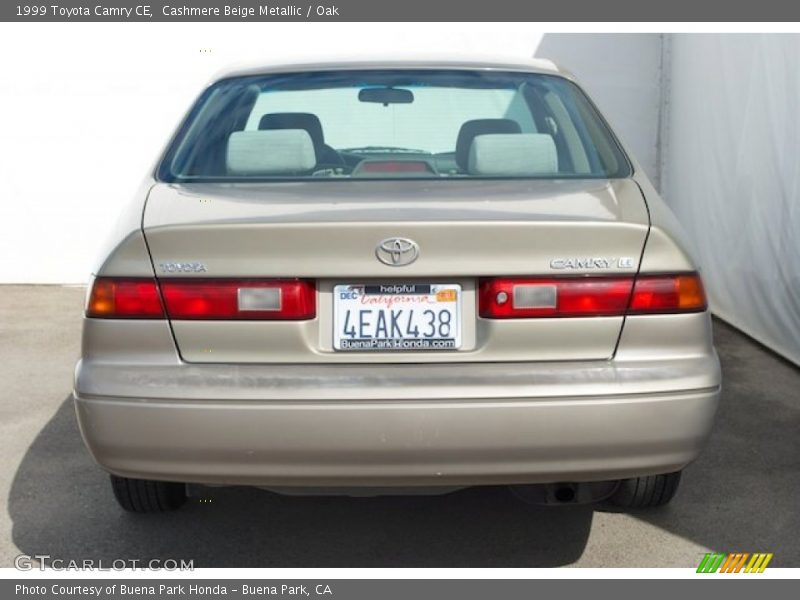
[
  {"x": 308, "y": 121},
  {"x": 513, "y": 155},
  {"x": 475, "y": 127},
  {"x": 270, "y": 152}
]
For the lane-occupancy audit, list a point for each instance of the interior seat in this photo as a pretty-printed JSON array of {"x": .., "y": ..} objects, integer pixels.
[
  {"x": 275, "y": 153},
  {"x": 470, "y": 129},
  {"x": 513, "y": 155},
  {"x": 326, "y": 155}
]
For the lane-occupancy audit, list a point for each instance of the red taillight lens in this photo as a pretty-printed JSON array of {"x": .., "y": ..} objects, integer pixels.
[
  {"x": 241, "y": 299},
  {"x": 668, "y": 294},
  {"x": 554, "y": 297},
  {"x": 124, "y": 299},
  {"x": 518, "y": 298}
]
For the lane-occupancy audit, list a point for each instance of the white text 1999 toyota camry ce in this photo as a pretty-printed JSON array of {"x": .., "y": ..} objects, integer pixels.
[{"x": 388, "y": 275}]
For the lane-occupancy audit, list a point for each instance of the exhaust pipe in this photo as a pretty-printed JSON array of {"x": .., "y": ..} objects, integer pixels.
[{"x": 565, "y": 493}]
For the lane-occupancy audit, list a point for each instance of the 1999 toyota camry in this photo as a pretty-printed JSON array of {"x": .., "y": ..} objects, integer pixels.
[{"x": 383, "y": 277}]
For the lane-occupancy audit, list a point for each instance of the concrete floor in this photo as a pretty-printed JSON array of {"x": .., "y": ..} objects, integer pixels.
[{"x": 741, "y": 495}]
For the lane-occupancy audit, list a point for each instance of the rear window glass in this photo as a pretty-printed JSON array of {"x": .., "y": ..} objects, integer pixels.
[{"x": 392, "y": 124}]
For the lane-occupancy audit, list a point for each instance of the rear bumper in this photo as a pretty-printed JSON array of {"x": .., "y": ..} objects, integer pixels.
[{"x": 397, "y": 425}]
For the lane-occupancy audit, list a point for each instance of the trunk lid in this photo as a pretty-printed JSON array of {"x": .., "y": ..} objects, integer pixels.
[{"x": 329, "y": 231}]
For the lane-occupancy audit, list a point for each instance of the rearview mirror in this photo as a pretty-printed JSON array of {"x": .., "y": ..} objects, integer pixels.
[{"x": 386, "y": 96}]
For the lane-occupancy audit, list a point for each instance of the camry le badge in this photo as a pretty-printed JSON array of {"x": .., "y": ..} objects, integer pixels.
[
  {"x": 397, "y": 252},
  {"x": 625, "y": 262}
]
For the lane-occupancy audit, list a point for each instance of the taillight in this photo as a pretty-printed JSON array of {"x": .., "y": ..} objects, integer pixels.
[
  {"x": 241, "y": 299},
  {"x": 668, "y": 294},
  {"x": 125, "y": 298},
  {"x": 517, "y": 298},
  {"x": 514, "y": 298}
]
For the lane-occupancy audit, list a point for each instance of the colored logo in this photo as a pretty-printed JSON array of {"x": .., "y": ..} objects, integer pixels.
[{"x": 734, "y": 562}]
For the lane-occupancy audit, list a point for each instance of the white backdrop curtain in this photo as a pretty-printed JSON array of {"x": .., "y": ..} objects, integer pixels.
[{"x": 730, "y": 152}]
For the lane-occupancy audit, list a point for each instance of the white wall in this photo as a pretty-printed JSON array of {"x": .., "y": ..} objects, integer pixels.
[
  {"x": 85, "y": 108},
  {"x": 622, "y": 73},
  {"x": 713, "y": 119},
  {"x": 732, "y": 175}
]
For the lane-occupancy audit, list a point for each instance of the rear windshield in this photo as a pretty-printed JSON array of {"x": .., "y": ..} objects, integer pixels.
[{"x": 392, "y": 124}]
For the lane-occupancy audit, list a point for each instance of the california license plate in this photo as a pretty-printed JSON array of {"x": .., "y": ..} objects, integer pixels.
[{"x": 397, "y": 316}]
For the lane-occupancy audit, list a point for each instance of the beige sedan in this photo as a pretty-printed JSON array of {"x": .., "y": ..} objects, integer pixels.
[{"x": 388, "y": 277}]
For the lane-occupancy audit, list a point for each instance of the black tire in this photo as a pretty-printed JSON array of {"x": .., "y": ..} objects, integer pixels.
[
  {"x": 143, "y": 496},
  {"x": 646, "y": 492}
]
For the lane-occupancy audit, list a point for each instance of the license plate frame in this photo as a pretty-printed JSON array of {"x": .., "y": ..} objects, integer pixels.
[{"x": 433, "y": 333}]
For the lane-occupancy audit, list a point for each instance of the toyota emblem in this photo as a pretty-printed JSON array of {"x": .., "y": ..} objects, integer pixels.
[{"x": 397, "y": 252}]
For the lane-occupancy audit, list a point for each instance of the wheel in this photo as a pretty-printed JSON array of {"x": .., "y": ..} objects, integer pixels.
[
  {"x": 646, "y": 492},
  {"x": 143, "y": 496}
]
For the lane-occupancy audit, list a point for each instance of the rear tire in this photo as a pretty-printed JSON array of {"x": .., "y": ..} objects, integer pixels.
[
  {"x": 143, "y": 496},
  {"x": 646, "y": 492}
]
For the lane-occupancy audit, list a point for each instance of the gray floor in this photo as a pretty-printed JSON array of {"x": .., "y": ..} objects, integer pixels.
[{"x": 742, "y": 495}]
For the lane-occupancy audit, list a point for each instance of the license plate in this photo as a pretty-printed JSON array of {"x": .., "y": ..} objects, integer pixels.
[{"x": 397, "y": 316}]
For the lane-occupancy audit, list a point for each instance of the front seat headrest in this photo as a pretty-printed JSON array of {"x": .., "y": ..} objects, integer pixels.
[
  {"x": 308, "y": 121},
  {"x": 470, "y": 129}
]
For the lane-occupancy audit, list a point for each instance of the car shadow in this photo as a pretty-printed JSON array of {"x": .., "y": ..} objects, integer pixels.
[
  {"x": 61, "y": 505},
  {"x": 742, "y": 494}
]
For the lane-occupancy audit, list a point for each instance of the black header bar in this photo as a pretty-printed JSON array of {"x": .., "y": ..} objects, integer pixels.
[{"x": 401, "y": 10}]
